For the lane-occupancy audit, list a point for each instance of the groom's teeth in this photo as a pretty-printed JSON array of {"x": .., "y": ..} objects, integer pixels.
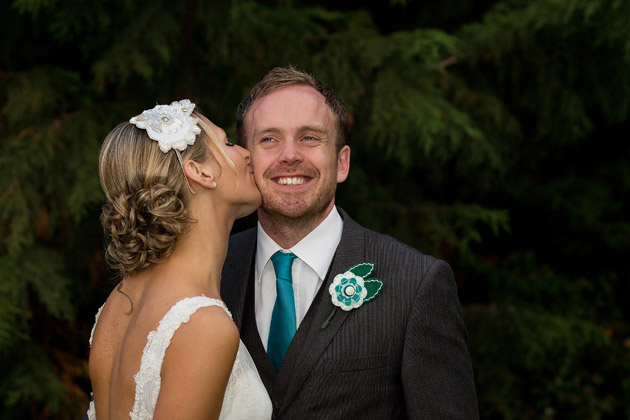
[{"x": 291, "y": 181}]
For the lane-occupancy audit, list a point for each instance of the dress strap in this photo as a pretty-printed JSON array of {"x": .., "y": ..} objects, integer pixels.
[
  {"x": 180, "y": 313},
  {"x": 148, "y": 379}
]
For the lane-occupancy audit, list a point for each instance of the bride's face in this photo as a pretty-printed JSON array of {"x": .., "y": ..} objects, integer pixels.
[{"x": 236, "y": 186}]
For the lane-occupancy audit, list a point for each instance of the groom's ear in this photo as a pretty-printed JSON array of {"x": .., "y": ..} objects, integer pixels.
[
  {"x": 201, "y": 173},
  {"x": 343, "y": 164}
]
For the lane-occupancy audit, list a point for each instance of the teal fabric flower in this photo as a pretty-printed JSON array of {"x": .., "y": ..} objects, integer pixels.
[
  {"x": 351, "y": 289},
  {"x": 348, "y": 291}
]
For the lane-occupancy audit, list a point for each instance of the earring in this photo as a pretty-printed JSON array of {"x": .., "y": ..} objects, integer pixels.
[{"x": 214, "y": 184}]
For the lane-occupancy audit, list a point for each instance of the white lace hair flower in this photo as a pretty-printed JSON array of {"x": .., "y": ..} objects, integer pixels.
[{"x": 172, "y": 126}]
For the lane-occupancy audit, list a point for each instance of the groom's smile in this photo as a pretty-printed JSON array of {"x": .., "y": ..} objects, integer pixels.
[{"x": 290, "y": 181}]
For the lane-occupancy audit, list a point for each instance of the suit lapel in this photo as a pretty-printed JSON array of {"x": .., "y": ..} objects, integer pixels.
[
  {"x": 237, "y": 272},
  {"x": 349, "y": 252}
]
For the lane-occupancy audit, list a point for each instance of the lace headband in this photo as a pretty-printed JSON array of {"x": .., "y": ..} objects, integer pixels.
[{"x": 172, "y": 126}]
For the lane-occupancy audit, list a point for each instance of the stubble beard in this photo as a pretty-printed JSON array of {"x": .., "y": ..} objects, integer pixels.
[{"x": 296, "y": 214}]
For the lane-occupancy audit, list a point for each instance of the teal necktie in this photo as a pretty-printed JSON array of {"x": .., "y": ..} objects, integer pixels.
[{"x": 282, "y": 327}]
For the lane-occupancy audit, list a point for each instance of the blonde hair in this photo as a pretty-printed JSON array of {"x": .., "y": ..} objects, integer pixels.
[{"x": 146, "y": 209}]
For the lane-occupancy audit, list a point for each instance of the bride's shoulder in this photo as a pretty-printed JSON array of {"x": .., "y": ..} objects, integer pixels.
[
  {"x": 199, "y": 359},
  {"x": 209, "y": 330},
  {"x": 209, "y": 317}
]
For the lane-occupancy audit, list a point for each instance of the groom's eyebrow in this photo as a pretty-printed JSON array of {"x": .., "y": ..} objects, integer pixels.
[
  {"x": 264, "y": 131},
  {"x": 274, "y": 130},
  {"x": 309, "y": 128}
]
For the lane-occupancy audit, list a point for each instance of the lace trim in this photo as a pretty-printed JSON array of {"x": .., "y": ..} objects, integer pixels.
[
  {"x": 95, "y": 321},
  {"x": 148, "y": 380},
  {"x": 90, "y": 412},
  {"x": 245, "y": 394},
  {"x": 91, "y": 415}
]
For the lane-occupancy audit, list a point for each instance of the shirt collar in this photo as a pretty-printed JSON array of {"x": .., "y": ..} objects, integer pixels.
[{"x": 316, "y": 249}]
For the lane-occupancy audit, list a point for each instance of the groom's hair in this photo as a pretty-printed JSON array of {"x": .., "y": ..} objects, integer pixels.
[{"x": 281, "y": 77}]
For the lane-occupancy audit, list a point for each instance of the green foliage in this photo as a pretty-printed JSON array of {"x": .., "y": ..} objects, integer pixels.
[
  {"x": 531, "y": 365},
  {"x": 492, "y": 134},
  {"x": 150, "y": 37},
  {"x": 555, "y": 49},
  {"x": 446, "y": 230},
  {"x": 48, "y": 156},
  {"x": 31, "y": 6},
  {"x": 537, "y": 348},
  {"x": 32, "y": 386}
]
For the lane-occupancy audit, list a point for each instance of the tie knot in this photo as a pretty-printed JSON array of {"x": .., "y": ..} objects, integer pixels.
[{"x": 282, "y": 264}]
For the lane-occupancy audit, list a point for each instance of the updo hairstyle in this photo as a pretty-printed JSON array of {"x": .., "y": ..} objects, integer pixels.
[{"x": 147, "y": 196}]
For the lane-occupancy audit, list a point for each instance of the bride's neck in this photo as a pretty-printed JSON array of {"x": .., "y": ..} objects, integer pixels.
[{"x": 199, "y": 255}]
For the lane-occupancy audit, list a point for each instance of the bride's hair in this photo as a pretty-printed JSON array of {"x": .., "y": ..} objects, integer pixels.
[{"x": 146, "y": 209}]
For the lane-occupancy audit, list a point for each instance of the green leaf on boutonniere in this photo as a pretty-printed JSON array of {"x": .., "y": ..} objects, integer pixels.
[
  {"x": 373, "y": 287},
  {"x": 361, "y": 269}
]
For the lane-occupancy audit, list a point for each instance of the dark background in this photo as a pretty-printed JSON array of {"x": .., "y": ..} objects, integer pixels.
[{"x": 493, "y": 134}]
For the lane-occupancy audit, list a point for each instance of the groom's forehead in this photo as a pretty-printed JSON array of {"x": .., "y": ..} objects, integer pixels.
[{"x": 290, "y": 108}]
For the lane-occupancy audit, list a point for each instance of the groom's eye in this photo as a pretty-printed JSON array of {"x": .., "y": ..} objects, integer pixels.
[
  {"x": 267, "y": 141},
  {"x": 227, "y": 143}
]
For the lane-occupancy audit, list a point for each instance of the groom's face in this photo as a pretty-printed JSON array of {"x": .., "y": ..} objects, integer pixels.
[{"x": 291, "y": 134}]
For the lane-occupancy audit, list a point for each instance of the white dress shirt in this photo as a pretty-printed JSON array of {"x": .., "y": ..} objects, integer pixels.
[{"x": 314, "y": 255}]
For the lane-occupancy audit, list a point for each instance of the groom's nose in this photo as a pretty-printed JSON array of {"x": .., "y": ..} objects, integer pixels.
[{"x": 290, "y": 152}]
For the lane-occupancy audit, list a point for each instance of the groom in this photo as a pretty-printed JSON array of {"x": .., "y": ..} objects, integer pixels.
[{"x": 401, "y": 355}]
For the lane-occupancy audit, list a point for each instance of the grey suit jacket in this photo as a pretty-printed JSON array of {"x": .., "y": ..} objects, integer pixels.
[{"x": 401, "y": 356}]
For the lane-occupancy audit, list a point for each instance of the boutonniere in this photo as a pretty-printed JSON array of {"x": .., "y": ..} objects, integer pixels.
[{"x": 351, "y": 289}]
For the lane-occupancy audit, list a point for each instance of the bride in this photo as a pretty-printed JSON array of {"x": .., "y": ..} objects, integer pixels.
[{"x": 164, "y": 345}]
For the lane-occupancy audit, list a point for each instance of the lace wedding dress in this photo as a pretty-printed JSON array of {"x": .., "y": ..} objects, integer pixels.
[{"x": 245, "y": 395}]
